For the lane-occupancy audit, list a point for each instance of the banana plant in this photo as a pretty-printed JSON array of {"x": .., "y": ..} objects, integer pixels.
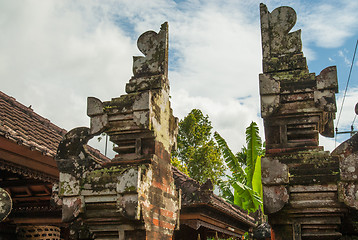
[{"x": 245, "y": 167}]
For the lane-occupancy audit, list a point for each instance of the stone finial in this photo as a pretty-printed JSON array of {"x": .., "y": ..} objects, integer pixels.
[
  {"x": 279, "y": 46},
  {"x": 154, "y": 46},
  {"x": 275, "y": 27}
]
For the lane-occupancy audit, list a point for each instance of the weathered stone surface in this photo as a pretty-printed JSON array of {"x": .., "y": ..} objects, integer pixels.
[
  {"x": 348, "y": 193},
  {"x": 327, "y": 79},
  {"x": 94, "y": 106},
  {"x": 275, "y": 198},
  {"x": 348, "y": 185},
  {"x": 71, "y": 208},
  {"x": 146, "y": 83},
  {"x": 154, "y": 46},
  {"x": 349, "y": 168},
  {"x": 268, "y": 85},
  {"x": 276, "y": 39},
  {"x": 296, "y": 106},
  {"x": 347, "y": 148},
  {"x": 99, "y": 120},
  {"x": 273, "y": 172},
  {"x": 135, "y": 190},
  {"x": 71, "y": 145}
]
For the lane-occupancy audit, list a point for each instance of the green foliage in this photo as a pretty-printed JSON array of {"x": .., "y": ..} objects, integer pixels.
[
  {"x": 245, "y": 167},
  {"x": 256, "y": 179},
  {"x": 197, "y": 151},
  {"x": 180, "y": 165},
  {"x": 254, "y": 144}
]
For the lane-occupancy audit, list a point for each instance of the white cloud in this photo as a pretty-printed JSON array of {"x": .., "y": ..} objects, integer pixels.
[
  {"x": 229, "y": 117},
  {"x": 348, "y": 113},
  {"x": 343, "y": 55},
  {"x": 56, "y": 53},
  {"x": 309, "y": 53},
  {"x": 328, "y": 24}
]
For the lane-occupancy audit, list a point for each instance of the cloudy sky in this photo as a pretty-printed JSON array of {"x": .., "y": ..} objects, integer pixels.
[{"x": 54, "y": 54}]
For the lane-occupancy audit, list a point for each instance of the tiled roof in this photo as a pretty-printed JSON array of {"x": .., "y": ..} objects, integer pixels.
[
  {"x": 23, "y": 126},
  {"x": 193, "y": 193}
]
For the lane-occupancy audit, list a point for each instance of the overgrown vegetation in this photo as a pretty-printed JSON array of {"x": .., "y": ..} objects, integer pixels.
[
  {"x": 198, "y": 155},
  {"x": 243, "y": 187},
  {"x": 202, "y": 156}
]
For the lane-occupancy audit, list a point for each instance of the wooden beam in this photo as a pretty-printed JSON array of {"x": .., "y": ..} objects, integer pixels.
[
  {"x": 40, "y": 220},
  {"x": 23, "y": 182},
  {"x": 30, "y": 198},
  {"x": 29, "y": 163},
  {"x": 204, "y": 218}
]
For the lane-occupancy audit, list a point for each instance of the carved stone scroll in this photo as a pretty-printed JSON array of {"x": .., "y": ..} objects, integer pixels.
[{"x": 154, "y": 46}]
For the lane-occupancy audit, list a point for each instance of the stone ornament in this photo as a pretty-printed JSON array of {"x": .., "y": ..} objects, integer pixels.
[
  {"x": 154, "y": 46},
  {"x": 276, "y": 34},
  {"x": 138, "y": 181},
  {"x": 5, "y": 204},
  {"x": 296, "y": 105}
]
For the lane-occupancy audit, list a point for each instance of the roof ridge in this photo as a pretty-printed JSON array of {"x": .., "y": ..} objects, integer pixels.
[
  {"x": 183, "y": 174},
  {"x": 29, "y": 111}
]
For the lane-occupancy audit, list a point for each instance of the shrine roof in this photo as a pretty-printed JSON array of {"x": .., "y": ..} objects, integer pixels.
[
  {"x": 194, "y": 194},
  {"x": 25, "y": 127}
]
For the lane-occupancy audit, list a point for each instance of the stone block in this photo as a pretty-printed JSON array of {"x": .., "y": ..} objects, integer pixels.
[
  {"x": 275, "y": 198},
  {"x": 349, "y": 168},
  {"x": 273, "y": 172}
]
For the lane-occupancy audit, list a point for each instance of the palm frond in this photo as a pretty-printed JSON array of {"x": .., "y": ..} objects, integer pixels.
[
  {"x": 253, "y": 142},
  {"x": 227, "y": 194},
  {"x": 256, "y": 179},
  {"x": 229, "y": 157},
  {"x": 241, "y": 156},
  {"x": 246, "y": 198}
]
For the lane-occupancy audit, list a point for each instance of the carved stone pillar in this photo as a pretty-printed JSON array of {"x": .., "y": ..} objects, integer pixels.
[
  {"x": 299, "y": 178},
  {"x": 131, "y": 196}
]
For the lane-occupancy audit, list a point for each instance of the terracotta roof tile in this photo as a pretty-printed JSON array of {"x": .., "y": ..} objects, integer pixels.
[
  {"x": 193, "y": 193},
  {"x": 23, "y": 126}
]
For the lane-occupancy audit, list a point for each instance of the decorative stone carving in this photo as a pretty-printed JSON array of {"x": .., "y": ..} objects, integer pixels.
[
  {"x": 135, "y": 189},
  {"x": 348, "y": 165},
  {"x": 296, "y": 105},
  {"x": 275, "y": 198},
  {"x": 276, "y": 37},
  {"x": 5, "y": 204},
  {"x": 299, "y": 179},
  {"x": 154, "y": 46}
]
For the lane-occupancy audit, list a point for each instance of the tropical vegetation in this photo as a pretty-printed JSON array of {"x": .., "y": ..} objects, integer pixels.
[
  {"x": 243, "y": 186},
  {"x": 197, "y": 154}
]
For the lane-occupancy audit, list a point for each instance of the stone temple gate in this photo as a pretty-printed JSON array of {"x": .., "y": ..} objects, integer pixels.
[
  {"x": 138, "y": 194},
  {"x": 308, "y": 192},
  {"x": 132, "y": 196}
]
